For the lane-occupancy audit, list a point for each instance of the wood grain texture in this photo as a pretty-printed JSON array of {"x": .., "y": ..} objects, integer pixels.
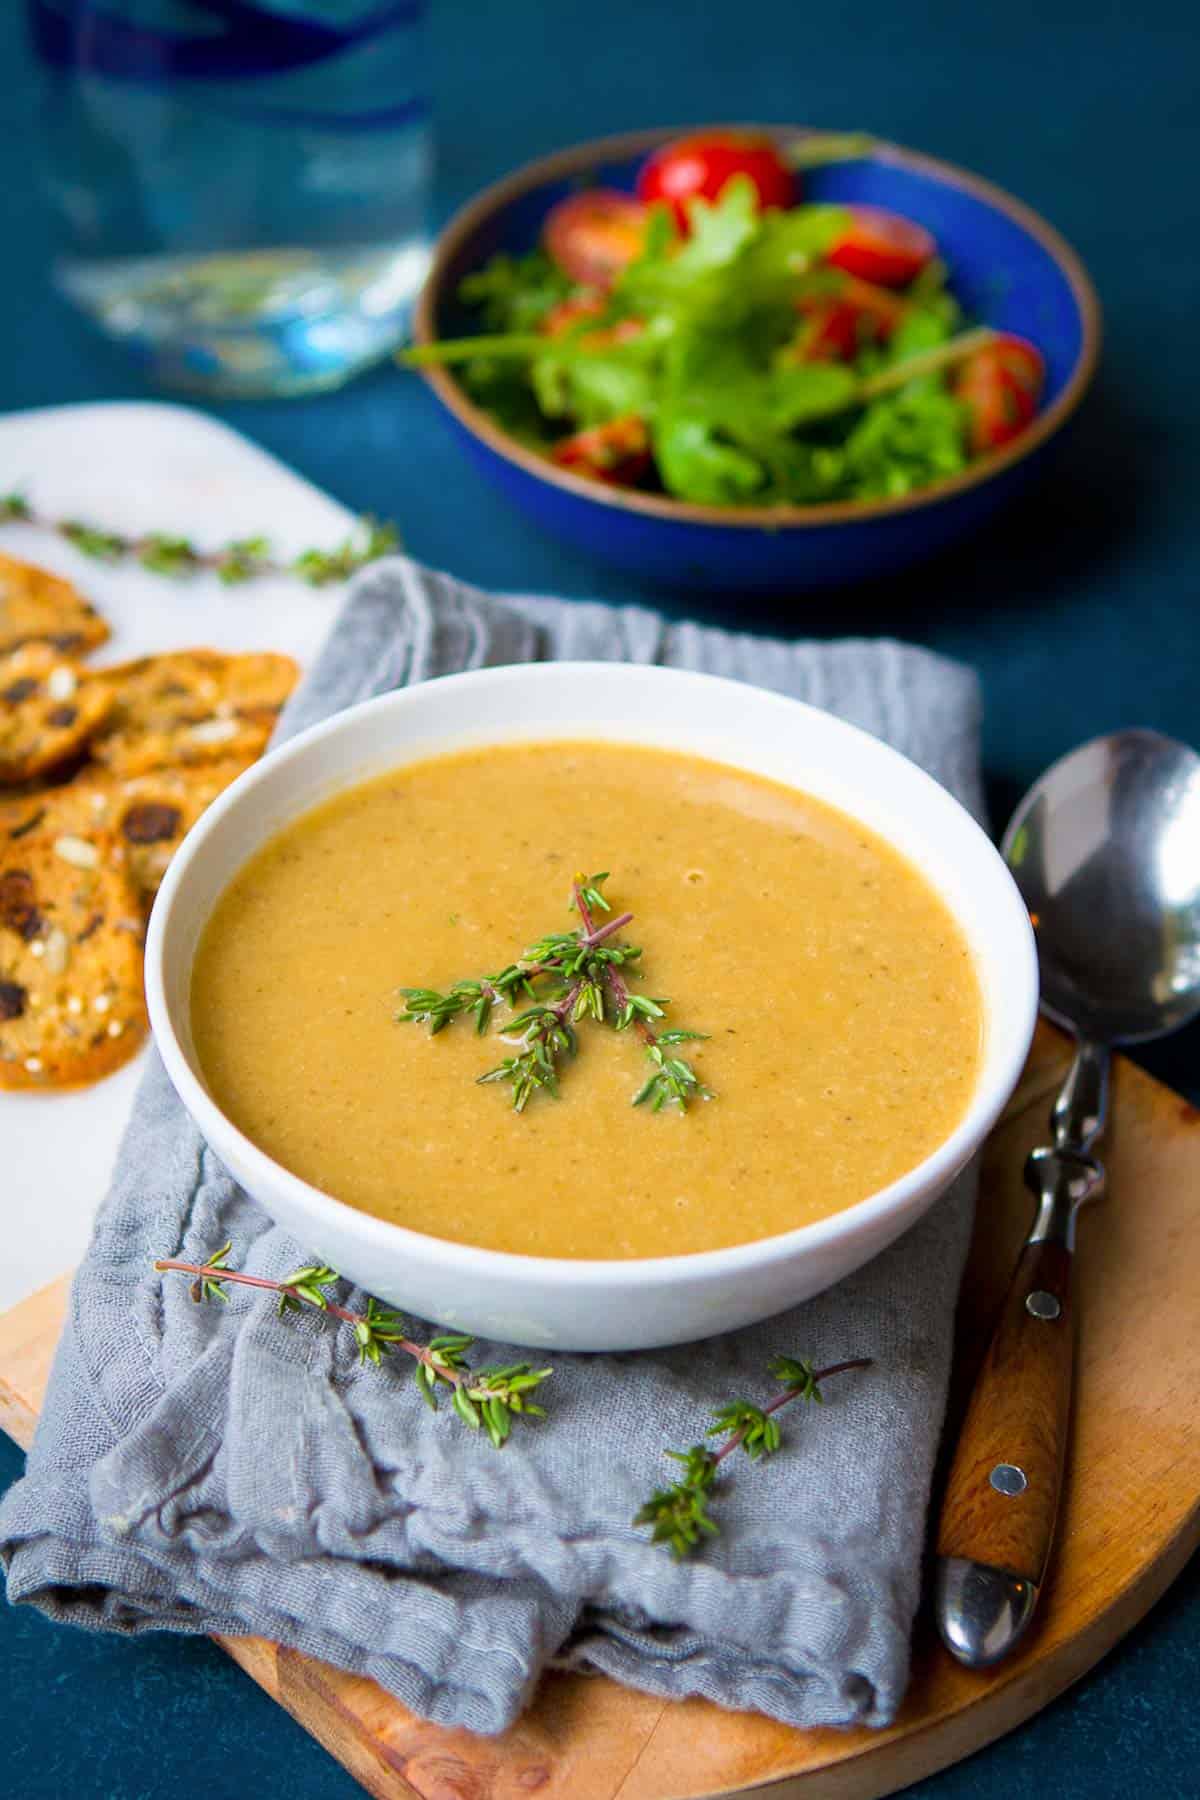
[
  {"x": 28, "y": 1335},
  {"x": 1129, "y": 1519},
  {"x": 1017, "y": 1418}
]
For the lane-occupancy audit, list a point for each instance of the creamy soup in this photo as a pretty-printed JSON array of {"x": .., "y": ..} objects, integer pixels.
[{"x": 839, "y": 995}]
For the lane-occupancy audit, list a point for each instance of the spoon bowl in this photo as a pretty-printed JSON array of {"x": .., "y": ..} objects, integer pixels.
[{"x": 1105, "y": 849}]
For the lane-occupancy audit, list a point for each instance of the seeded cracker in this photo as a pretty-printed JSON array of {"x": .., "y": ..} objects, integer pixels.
[
  {"x": 38, "y": 606},
  {"x": 191, "y": 707},
  {"x": 151, "y": 814},
  {"x": 71, "y": 1001},
  {"x": 49, "y": 711}
]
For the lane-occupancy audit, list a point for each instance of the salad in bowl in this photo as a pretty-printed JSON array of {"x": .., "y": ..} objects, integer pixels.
[
  {"x": 754, "y": 360},
  {"x": 716, "y": 338}
]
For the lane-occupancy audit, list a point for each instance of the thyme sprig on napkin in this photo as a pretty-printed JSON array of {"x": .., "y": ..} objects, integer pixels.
[
  {"x": 678, "y": 1515},
  {"x": 582, "y": 974},
  {"x": 242, "y": 559},
  {"x": 489, "y": 1398},
  {"x": 494, "y": 1398}
]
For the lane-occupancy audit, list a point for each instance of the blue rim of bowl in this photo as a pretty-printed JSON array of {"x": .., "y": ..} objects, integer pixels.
[{"x": 581, "y": 160}]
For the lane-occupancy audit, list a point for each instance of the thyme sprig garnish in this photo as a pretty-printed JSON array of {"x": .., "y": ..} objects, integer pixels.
[
  {"x": 583, "y": 975},
  {"x": 242, "y": 559},
  {"x": 678, "y": 1515},
  {"x": 491, "y": 1399}
]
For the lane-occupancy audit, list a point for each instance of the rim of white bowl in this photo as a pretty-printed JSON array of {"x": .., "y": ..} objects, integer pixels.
[{"x": 997, "y": 1080}]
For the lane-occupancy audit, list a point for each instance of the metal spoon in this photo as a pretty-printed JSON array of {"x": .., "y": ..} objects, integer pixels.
[{"x": 1105, "y": 849}]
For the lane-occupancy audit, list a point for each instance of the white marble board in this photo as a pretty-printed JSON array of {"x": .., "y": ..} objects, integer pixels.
[{"x": 130, "y": 468}]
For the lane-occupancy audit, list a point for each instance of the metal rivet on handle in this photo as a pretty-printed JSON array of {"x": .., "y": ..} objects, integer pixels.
[
  {"x": 1006, "y": 1478},
  {"x": 1042, "y": 1305}
]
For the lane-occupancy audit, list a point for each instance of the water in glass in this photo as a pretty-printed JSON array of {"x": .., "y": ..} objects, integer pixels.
[{"x": 241, "y": 189}]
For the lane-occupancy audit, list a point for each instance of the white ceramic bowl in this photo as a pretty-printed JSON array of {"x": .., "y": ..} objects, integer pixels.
[{"x": 619, "y": 1305}]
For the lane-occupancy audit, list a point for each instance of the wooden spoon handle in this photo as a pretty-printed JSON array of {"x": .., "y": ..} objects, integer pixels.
[{"x": 1001, "y": 1497}]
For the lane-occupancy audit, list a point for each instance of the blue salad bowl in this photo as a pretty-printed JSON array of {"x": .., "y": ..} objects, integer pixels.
[{"x": 1009, "y": 269}]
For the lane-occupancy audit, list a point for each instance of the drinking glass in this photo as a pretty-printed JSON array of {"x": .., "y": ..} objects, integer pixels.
[{"x": 240, "y": 188}]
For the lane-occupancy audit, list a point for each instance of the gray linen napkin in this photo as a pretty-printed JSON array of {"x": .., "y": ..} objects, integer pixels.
[{"x": 210, "y": 1468}]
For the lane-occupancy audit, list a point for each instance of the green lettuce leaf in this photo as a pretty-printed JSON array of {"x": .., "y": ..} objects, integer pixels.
[
  {"x": 905, "y": 441},
  {"x": 695, "y": 465},
  {"x": 592, "y": 390},
  {"x": 514, "y": 293}
]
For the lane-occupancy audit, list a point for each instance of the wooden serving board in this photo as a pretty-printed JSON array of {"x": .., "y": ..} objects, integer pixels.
[{"x": 1131, "y": 1518}]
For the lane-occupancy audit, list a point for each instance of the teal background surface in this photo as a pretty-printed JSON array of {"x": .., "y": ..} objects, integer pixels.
[{"x": 1079, "y": 608}]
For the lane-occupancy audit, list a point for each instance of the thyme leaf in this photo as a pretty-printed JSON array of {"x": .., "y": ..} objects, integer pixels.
[
  {"x": 678, "y": 1515},
  {"x": 561, "y": 980},
  {"x": 240, "y": 560},
  {"x": 491, "y": 1399}
]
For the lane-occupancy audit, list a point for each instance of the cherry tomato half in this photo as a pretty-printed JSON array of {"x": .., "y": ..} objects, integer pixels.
[
  {"x": 1020, "y": 361},
  {"x": 700, "y": 166},
  {"x": 1000, "y": 386},
  {"x": 563, "y": 317},
  {"x": 882, "y": 247},
  {"x": 594, "y": 234},
  {"x": 617, "y": 453},
  {"x": 837, "y": 324}
]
